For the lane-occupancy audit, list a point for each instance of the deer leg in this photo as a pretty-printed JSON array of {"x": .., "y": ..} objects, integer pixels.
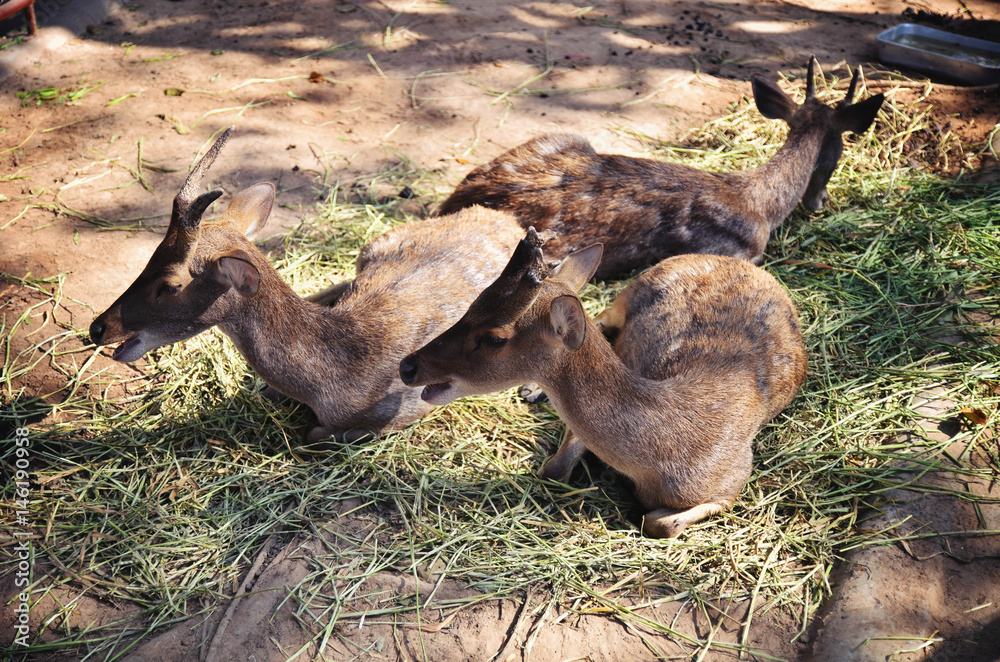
[
  {"x": 319, "y": 434},
  {"x": 532, "y": 393},
  {"x": 274, "y": 395},
  {"x": 668, "y": 523},
  {"x": 330, "y": 295},
  {"x": 560, "y": 466}
]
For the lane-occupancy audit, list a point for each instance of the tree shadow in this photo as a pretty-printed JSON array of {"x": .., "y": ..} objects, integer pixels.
[{"x": 716, "y": 38}]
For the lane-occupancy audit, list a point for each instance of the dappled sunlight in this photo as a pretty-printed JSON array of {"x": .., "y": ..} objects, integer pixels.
[
  {"x": 537, "y": 20},
  {"x": 772, "y": 27}
]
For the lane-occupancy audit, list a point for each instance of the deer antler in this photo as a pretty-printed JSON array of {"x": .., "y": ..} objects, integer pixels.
[
  {"x": 811, "y": 79},
  {"x": 526, "y": 265},
  {"x": 188, "y": 205},
  {"x": 849, "y": 99},
  {"x": 519, "y": 283}
]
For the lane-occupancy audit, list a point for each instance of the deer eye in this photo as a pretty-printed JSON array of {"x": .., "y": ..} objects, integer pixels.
[
  {"x": 494, "y": 342},
  {"x": 168, "y": 289}
]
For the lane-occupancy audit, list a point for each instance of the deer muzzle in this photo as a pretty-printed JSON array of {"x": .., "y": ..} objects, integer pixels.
[{"x": 435, "y": 393}]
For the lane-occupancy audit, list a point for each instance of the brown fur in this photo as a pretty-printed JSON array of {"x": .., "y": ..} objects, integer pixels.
[
  {"x": 644, "y": 210},
  {"x": 412, "y": 282},
  {"x": 708, "y": 350}
]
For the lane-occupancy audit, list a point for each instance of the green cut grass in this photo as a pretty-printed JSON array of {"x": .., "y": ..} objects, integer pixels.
[{"x": 164, "y": 495}]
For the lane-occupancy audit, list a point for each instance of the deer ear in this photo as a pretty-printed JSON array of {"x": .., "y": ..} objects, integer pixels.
[
  {"x": 579, "y": 267},
  {"x": 250, "y": 208},
  {"x": 857, "y": 117},
  {"x": 236, "y": 271},
  {"x": 568, "y": 321},
  {"x": 771, "y": 101}
]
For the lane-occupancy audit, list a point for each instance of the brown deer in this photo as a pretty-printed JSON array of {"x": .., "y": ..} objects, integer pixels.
[
  {"x": 708, "y": 350},
  {"x": 644, "y": 210},
  {"x": 412, "y": 283}
]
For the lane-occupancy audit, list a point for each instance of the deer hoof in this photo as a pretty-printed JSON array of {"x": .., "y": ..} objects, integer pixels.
[
  {"x": 274, "y": 395},
  {"x": 532, "y": 393},
  {"x": 554, "y": 470}
]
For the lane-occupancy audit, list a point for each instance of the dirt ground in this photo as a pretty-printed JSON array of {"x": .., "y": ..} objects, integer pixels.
[{"x": 321, "y": 91}]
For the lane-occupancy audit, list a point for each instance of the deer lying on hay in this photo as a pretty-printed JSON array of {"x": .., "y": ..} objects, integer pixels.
[
  {"x": 644, "y": 210},
  {"x": 412, "y": 283},
  {"x": 708, "y": 350}
]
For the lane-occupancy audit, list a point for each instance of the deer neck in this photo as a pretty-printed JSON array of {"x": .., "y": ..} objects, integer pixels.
[
  {"x": 600, "y": 398},
  {"x": 773, "y": 189},
  {"x": 293, "y": 344}
]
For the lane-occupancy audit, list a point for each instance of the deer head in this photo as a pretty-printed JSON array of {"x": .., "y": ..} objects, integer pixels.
[
  {"x": 190, "y": 282},
  {"x": 846, "y": 116},
  {"x": 524, "y": 319}
]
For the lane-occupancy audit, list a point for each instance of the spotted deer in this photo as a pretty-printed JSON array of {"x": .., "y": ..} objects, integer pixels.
[
  {"x": 644, "y": 210},
  {"x": 340, "y": 358},
  {"x": 707, "y": 350}
]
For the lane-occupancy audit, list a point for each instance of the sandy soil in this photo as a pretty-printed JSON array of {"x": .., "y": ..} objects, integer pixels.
[{"x": 326, "y": 90}]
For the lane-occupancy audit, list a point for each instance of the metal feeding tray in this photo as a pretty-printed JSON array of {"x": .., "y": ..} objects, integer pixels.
[{"x": 939, "y": 53}]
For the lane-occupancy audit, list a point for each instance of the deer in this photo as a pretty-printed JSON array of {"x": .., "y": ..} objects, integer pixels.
[
  {"x": 644, "y": 210},
  {"x": 339, "y": 352},
  {"x": 707, "y": 349}
]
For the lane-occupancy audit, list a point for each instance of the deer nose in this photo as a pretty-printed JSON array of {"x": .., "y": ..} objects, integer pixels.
[
  {"x": 408, "y": 370},
  {"x": 97, "y": 329}
]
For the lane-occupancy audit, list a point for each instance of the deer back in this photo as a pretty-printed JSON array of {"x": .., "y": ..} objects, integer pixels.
[
  {"x": 711, "y": 318},
  {"x": 412, "y": 283}
]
